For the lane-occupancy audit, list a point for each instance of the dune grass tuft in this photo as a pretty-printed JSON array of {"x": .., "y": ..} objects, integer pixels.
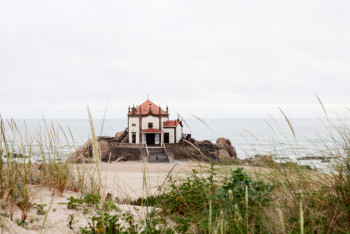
[{"x": 224, "y": 198}]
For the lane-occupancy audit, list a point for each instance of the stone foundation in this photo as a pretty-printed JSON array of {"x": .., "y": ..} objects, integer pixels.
[
  {"x": 113, "y": 151},
  {"x": 186, "y": 151},
  {"x": 133, "y": 152}
]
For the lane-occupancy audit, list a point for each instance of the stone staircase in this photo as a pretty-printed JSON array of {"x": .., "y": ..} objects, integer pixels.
[
  {"x": 157, "y": 154},
  {"x": 123, "y": 138}
]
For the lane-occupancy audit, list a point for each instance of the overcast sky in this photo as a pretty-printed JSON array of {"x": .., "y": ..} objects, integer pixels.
[{"x": 214, "y": 59}]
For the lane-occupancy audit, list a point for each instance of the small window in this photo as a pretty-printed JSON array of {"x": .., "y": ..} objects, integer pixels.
[
  {"x": 134, "y": 137},
  {"x": 133, "y": 125},
  {"x": 150, "y": 125}
]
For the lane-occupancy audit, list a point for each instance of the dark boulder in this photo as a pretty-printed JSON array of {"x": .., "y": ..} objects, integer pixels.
[
  {"x": 85, "y": 152},
  {"x": 119, "y": 134},
  {"x": 223, "y": 145},
  {"x": 259, "y": 160},
  {"x": 205, "y": 142}
]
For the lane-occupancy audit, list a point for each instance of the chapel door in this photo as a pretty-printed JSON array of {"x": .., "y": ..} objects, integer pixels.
[
  {"x": 166, "y": 137},
  {"x": 150, "y": 139}
]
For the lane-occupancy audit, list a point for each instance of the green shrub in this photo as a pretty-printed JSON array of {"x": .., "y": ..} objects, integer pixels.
[
  {"x": 40, "y": 209},
  {"x": 74, "y": 202},
  {"x": 238, "y": 182},
  {"x": 91, "y": 199},
  {"x": 198, "y": 201}
]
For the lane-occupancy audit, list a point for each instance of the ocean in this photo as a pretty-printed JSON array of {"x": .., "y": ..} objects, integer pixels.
[{"x": 308, "y": 137}]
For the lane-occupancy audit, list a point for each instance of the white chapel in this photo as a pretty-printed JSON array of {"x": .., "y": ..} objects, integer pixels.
[{"x": 149, "y": 124}]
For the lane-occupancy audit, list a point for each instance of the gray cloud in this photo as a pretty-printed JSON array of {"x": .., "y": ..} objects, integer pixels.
[{"x": 211, "y": 58}]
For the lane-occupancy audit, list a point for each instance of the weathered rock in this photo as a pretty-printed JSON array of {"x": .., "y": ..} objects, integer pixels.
[
  {"x": 192, "y": 140},
  {"x": 105, "y": 150},
  {"x": 111, "y": 150},
  {"x": 85, "y": 152},
  {"x": 122, "y": 159},
  {"x": 226, "y": 150},
  {"x": 315, "y": 158},
  {"x": 223, "y": 155},
  {"x": 236, "y": 161},
  {"x": 119, "y": 134},
  {"x": 258, "y": 160},
  {"x": 81, "y": 159},
  {"x": 15, "y": 155},
  {"x": 264, "y": 158},
  {"x": 205, "y": 142}
]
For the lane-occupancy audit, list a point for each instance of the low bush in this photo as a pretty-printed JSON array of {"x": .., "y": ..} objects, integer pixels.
[{"x": 198, "y": 203}]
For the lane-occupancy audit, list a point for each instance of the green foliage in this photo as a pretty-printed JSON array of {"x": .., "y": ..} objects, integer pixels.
[
  {"x": 125, "y": 222},
  {"x": 186, "y": 201},
  {"x": 70, "y": 221},
  {"x": 5, "y": 214},
  {"x": 91, "y": 199},
  {"x": 107, "y": 223},
  {"x": 40, "y": 209},
  {"x": 148, "y": 201},
  {"x": 189, "y": 195},
  {"x": 22, "y": 223},
  {"x": 258, "y": 191},
  {"x": 21, "y": 197},
  {"x": 74, "y": 202},
  {"x": 109, "y": 206},
  {"x": 109, "y": 218}
]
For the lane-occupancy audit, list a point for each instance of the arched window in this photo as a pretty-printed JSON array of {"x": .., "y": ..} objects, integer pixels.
[{"x": 150, "y": 125}]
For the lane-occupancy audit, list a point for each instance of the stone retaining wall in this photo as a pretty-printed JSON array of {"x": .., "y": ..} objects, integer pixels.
[
  {"x": 187, "y": 151},
  {"x": 129, "y": 151},
  {"x": 113, "y": 151}
]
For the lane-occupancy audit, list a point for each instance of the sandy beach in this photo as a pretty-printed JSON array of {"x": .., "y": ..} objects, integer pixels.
[{"x": 124, "y": 181}]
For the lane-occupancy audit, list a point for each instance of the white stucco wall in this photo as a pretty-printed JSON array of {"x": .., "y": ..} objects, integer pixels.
[
  {"x": 163, "y": 119},
  {"x": 150, "y": 119},
  {"x": 143, "y": 139},
  {"x": 144, "y": 125},
  {"x": 171, "y": 134},
  {"x": 178, "y": 133},
  {"x": 157, "y": 138},
  {"x": 134, "y": 120}
]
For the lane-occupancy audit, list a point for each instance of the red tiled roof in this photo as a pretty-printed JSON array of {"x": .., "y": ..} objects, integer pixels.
[
  {"x": 151, "y": 130},
  {"x": 171, "y": 123},
  {"x": 145, "y": 109}
]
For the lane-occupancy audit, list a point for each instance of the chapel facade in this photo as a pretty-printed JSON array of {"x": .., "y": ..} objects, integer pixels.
[{"x": 149, "y": 124}]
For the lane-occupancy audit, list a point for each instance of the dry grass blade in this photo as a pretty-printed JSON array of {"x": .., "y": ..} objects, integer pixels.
[
  {"x": 251, "y": 134},
  {"x": 96, "y": 150},
  {"x": 289, "y": 123},
  {"x": 301, "y": 218},
  {"x": 270, "y": 126},
  {"x": 205, "y": 125},
  {"x": 167, "y": 176},
  {"x": 324, "y": 109},
  {"x": 188, "y": 126},
  {"x": 199, "y": 151},
  {"x": 3, "y": 135}
]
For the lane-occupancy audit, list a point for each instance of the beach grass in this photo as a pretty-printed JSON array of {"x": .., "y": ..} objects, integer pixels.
[{"x": 214, "y": 198}]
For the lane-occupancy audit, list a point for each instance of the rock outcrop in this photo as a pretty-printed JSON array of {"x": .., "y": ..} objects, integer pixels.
[
  {"x": 258, "y": 160},
  {"x": 85, "y": 152},
  {"x": 222, "y": 150},
  {"x": 112, "y": 150},
  {"x": 119, "y": 134},
  {"x": 225, "y": 149}
]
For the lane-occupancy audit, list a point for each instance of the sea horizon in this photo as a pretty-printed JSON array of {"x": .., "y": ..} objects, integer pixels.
[{"x": 250, "y": 137}]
